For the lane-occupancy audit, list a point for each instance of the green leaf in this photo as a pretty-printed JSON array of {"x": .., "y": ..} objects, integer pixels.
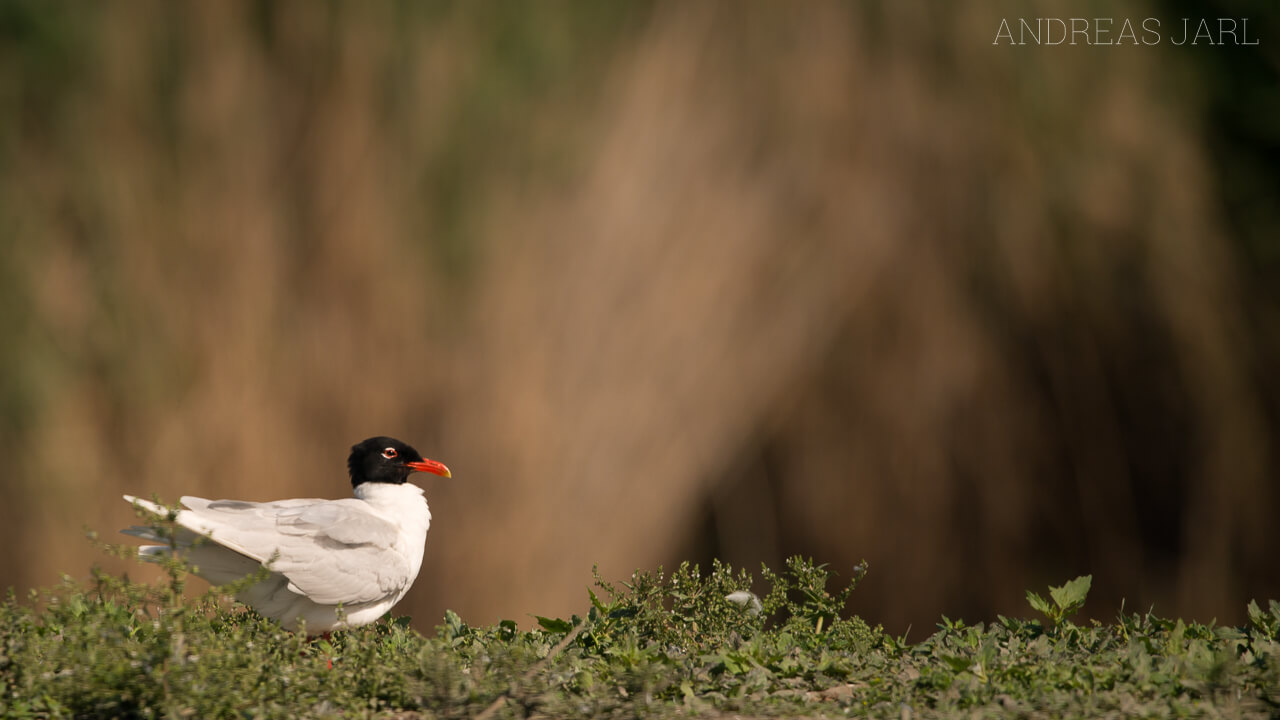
[
  {"x": 1173, "y": 645},
  {"x": 736, "y": 663},
  {"x": 1039, "y": 604},
  {"x": 595, "y": 601},
  {"x": 453, "y": 626},
  {"x": 1070, "y": 597},
  {"x": 1256, "y": 616},
  {"x": 1266, "y": 622},
  {"x": 554, "y": 624},
  {"x": 958, "y": 663}
]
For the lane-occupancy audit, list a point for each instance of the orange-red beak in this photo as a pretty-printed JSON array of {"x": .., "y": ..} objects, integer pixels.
[{"x": 430, "y": 466}]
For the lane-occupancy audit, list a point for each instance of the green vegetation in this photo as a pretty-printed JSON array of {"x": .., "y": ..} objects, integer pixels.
[{"x": 657, "y": 645}]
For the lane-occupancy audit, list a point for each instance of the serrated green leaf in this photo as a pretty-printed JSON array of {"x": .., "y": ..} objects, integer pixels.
[
  {"x": 1173, "y": 646},
  {"x": 1070, "y": 597},
  {"x": 556, "y": 625},
  {"x": 1039, "y": 604},
  {"x": 1256, "y": 615}
]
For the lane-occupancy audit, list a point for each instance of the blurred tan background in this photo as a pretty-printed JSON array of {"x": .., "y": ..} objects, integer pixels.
[{"x": 659, "y": 282}]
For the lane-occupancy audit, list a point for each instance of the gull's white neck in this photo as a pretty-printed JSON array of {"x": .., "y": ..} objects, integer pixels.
[
  {"x": 402, "y": 504},
  {"x": 378, "y": 493}
]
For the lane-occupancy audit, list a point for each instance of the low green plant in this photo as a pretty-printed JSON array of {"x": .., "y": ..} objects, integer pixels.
[
  {"x": 687, "y": 643},
  {"x": 1266, "y": 622},
  {"x": 1068, "y": 599}
]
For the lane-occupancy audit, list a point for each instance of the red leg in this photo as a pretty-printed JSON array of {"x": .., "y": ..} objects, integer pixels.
[{"x": 326, "y": 635}]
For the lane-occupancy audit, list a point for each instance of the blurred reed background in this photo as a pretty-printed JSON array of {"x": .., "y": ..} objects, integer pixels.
[{"x": 659, "y": 282}]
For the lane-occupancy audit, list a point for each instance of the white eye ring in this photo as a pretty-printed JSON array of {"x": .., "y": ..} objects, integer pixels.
[{"x": 390, "y": 453}]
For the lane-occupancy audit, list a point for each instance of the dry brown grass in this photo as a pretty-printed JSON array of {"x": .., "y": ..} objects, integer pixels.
[{"x": 705, "y": 279}]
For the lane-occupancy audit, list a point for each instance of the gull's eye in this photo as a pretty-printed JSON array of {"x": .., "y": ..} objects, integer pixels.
[{"x": 390, "y": 453}]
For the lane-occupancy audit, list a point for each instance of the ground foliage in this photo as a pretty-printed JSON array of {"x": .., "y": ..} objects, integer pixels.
[{"x": 685, "y": 643}]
